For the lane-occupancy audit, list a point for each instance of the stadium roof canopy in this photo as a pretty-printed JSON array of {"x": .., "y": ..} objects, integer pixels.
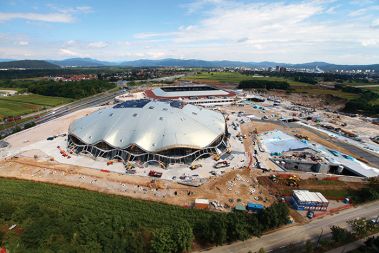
[
  {"x": 187, "y": 91},
  {"x": 151, "y": 125}
]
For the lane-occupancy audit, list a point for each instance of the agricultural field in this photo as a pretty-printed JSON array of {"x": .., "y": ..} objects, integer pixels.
[
  {"x": 50, "y": 216},
  {"x": 24, "y": 104}
]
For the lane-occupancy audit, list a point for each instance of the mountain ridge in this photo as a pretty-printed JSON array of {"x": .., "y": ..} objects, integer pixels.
[
  {"x": 28, "y": 64},
  {"x": 172, "y": 62}
]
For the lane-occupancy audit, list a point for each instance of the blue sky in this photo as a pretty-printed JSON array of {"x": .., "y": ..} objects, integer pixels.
[{"x": 345, "y": 32}]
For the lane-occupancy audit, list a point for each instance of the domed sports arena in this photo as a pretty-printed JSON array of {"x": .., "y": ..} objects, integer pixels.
[{"x": 150, "y": 130}]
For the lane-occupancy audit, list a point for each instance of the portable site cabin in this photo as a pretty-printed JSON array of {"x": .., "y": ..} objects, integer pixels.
[
  {"x": 240, "y": 208},
  {"x": 306, "y": 200},
  {"x": 201, "y": 203},
  {"x": 254, "y": 207}
]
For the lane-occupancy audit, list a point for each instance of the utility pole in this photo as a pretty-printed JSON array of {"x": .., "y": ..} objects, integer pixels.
[{"x": 319, "y": 238}]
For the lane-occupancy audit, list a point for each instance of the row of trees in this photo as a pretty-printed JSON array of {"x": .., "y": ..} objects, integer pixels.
[
  {"x": 263, "y": 84},
  {"x": 74, "y": 90},
  {"x": 360, "y": 228},
  {"x": 305, "y": 79},
  {"x": 220, "y": 229}
]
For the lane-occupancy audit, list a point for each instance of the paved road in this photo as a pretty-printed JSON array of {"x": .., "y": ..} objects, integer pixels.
[
  {"x": 299, "y": 234},
  {"x": 351, "y": 246}
]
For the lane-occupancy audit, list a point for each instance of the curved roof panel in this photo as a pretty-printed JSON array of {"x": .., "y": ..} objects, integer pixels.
[{"x": 151, "y": 125}]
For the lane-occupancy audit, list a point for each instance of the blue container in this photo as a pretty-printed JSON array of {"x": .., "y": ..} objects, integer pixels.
[{"x": 254, "y": 207}]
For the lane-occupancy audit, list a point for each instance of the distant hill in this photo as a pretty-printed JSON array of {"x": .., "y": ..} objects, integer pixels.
[
  {"x": 170, "y": 62},
  {"x": 28, "y": 64},
  {"x": 82, "y": 62},
  {"x": 265, "y": 64},
  {"x": 184, "y": 63}
]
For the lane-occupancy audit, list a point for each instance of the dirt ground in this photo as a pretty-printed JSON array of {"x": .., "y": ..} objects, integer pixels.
[
  {"x": 332, "y": 186},
  {"x": 319, "y": 101},
  {"x": 239, "y": 184}
]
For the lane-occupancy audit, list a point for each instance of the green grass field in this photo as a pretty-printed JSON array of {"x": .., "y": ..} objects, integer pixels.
[
  {"x": 318, "y": 91},
  {"x": 235, "y": 77},
  {"x": 297, "y": 87},
  {"x": 24, "y": 104},
  {"x": 376, "y": 90}
]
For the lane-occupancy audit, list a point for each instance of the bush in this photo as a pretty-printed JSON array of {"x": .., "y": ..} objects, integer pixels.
[{"x": 341, "y": 235}]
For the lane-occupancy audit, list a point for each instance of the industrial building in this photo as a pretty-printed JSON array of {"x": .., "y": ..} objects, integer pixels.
[
  {"x": 194, "y": 94},
  {"x": 144, "y": 130},
  {"x": 292, "y": 153},
  {"x": 306, "y": 200}
]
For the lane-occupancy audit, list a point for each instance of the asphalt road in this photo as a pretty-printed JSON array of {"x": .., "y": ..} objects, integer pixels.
[{"x": 284, "y": 239}]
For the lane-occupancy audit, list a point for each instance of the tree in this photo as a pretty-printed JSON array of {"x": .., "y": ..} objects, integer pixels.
[
  {"x": 341, "y": 235},
  {"x": 309, "y": 247},
  {"x": 183, "y": 236},
  {"x": 261, "y": 250},
  {"x": 162, "y": 241},
  {"x": 361, "y": 227},
  {"x": 173, "y": 239},
  {"x": 237, "y": 227}
]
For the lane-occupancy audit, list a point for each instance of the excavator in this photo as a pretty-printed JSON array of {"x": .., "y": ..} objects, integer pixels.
[{"x": 293, "y": 181}]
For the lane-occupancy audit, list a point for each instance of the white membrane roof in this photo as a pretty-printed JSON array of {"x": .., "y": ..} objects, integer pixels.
[{"x": 151, "y": 125}]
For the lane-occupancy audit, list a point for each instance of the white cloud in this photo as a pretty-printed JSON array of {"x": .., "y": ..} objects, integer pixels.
[
  {"x": 98, "y": 44},
  {"x": 33, "y": 16},
  {"x": 284, "y": 31},
  {"x": 77, "y": 9},
  {"x": 68, "y": 52},
  {"x": 370, "y": 42},
  {"x": 199, "y": 4},
  {"x": 375, "y": 23},
  {"x": 70, "y": 42},
  {"x": 23, "y": 43},
  {"x": 364, "y": 11},
  {"x": 59, "y": 15}
]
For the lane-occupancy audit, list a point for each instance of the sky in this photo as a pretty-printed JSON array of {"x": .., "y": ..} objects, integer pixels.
[{"x": 290, "y": 31}]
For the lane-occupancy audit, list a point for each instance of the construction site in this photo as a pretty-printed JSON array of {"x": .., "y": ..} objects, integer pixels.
[{"x": 245, "y": 154}]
